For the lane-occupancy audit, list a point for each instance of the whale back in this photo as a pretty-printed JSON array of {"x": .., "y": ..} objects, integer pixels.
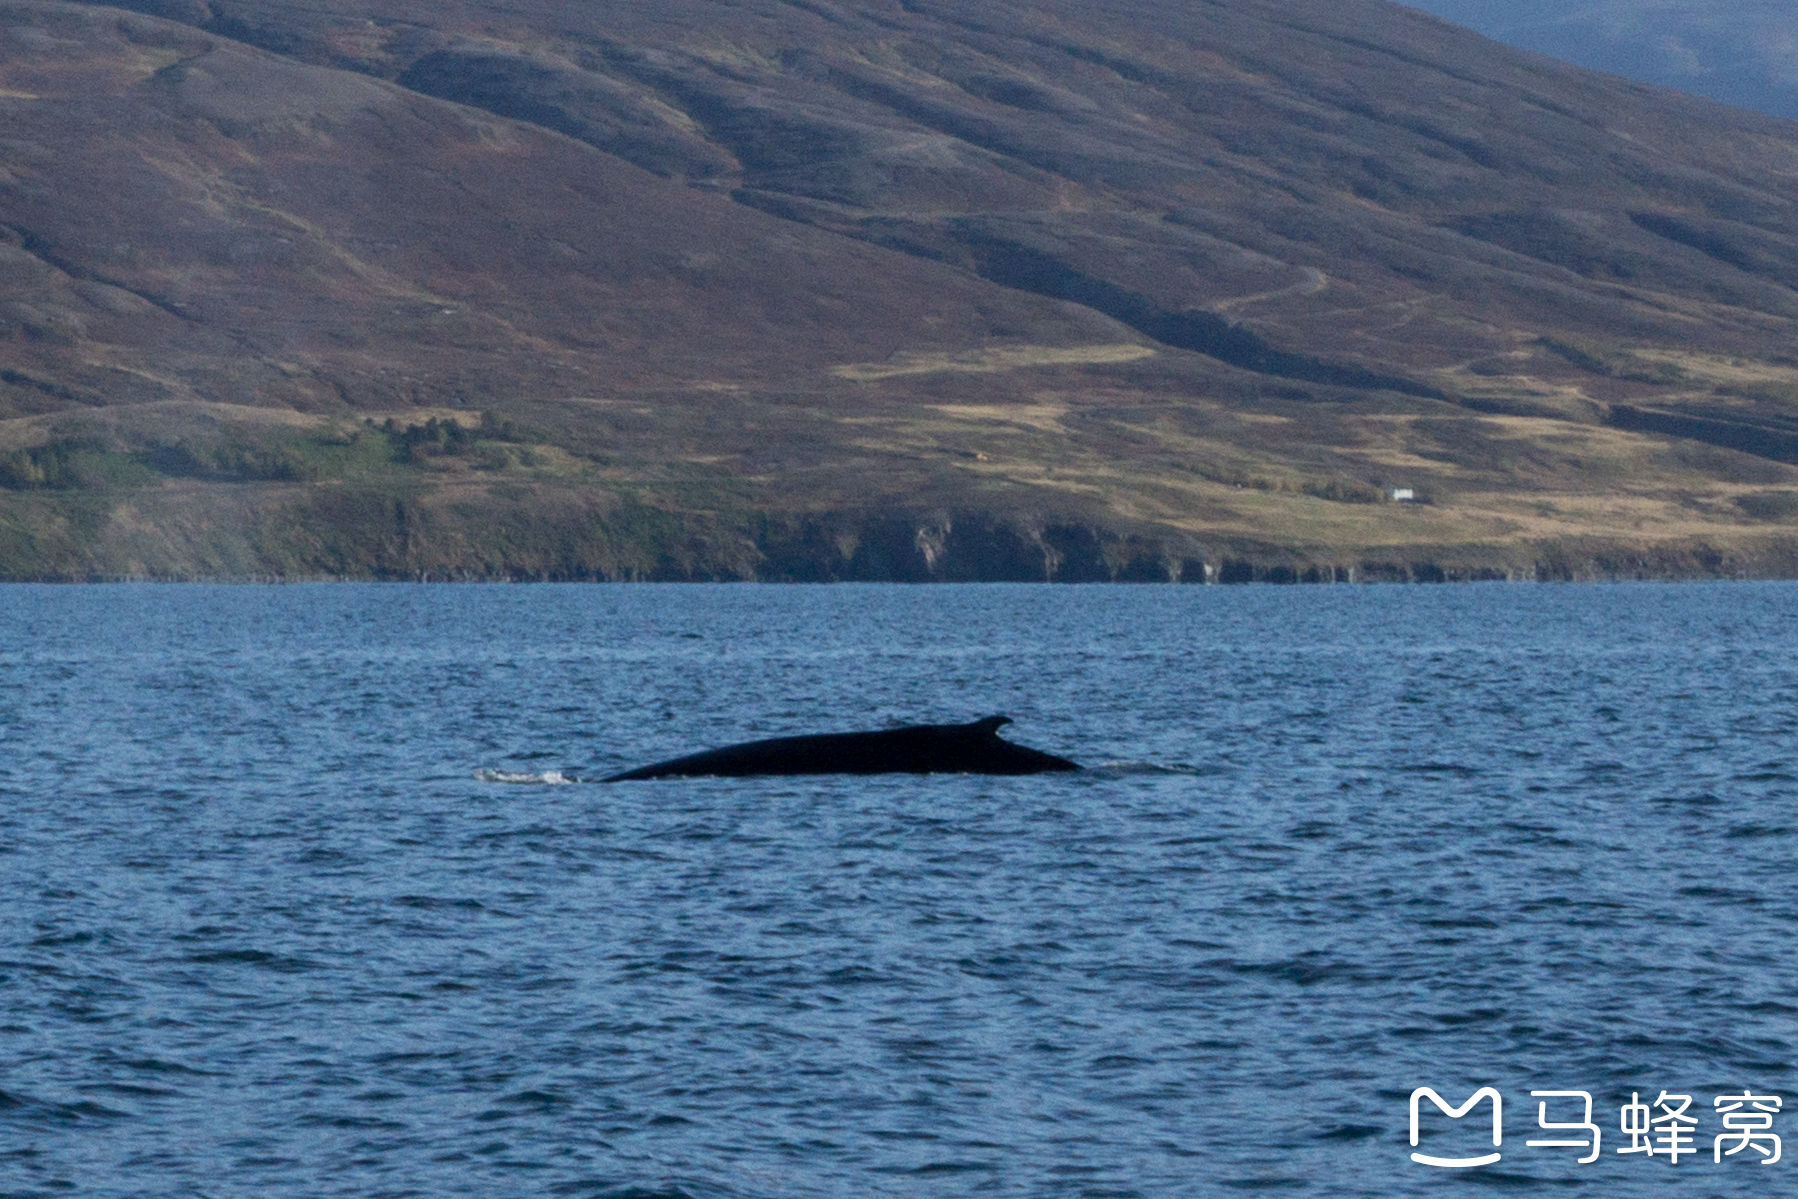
[{"x": 973, "y": 748}]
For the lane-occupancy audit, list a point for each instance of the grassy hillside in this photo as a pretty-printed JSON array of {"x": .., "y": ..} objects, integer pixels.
[{"x": 384, "y": 289}]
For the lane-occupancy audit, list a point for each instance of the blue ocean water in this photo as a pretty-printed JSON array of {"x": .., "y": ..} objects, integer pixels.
[{"x": 275, "y": 923}]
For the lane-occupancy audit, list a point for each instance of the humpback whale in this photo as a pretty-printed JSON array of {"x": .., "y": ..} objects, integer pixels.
[{"x": 973, "y": 748}]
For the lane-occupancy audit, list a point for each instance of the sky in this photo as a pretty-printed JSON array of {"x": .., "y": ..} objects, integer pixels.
[{"x": 1742, "y": 52}]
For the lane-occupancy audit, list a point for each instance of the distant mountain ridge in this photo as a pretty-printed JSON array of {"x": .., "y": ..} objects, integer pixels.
[
  {"x": 1742, "y": 52},
  {"x": 915, "y": 289}
]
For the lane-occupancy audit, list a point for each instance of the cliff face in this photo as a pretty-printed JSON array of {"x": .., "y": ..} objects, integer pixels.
[{"x": 1134, "y": 290}]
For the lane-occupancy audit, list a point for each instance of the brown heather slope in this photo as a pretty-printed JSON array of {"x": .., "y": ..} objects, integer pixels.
[{"x": 888, "y": 290}]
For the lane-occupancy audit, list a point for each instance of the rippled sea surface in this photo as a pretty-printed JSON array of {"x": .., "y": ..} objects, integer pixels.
[{"x": 275, "y": 923}]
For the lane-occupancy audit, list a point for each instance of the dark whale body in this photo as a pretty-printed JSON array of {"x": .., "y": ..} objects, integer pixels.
[{"x": 914, "y": 749}]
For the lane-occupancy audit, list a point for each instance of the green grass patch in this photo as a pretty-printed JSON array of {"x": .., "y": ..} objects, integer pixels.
[
  {"x": 97, "y": 462},
  {"x": 72, "y": 464},
  {"x": 481, "y": 445}
]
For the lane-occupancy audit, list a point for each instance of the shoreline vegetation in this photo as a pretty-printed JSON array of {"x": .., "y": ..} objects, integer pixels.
[
  {"x": 212, "y": 492},
  {"x": 1276, "y": 579}
]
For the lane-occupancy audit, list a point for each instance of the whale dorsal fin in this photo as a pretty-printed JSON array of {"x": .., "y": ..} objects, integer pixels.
[{"x": 990, "y": 726}]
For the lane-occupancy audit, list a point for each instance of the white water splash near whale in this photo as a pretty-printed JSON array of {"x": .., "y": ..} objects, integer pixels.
[{"x": 526, "y": 778}]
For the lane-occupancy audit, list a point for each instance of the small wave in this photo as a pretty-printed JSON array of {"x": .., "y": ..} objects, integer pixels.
[
  {"x": 1125, "y": 767},
  {"x": 1457, "y": 768},
  {"x": 526, "y": 778},
  {"x": 29, "y": 1107},
  {"x": 250, "y": 957}
]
